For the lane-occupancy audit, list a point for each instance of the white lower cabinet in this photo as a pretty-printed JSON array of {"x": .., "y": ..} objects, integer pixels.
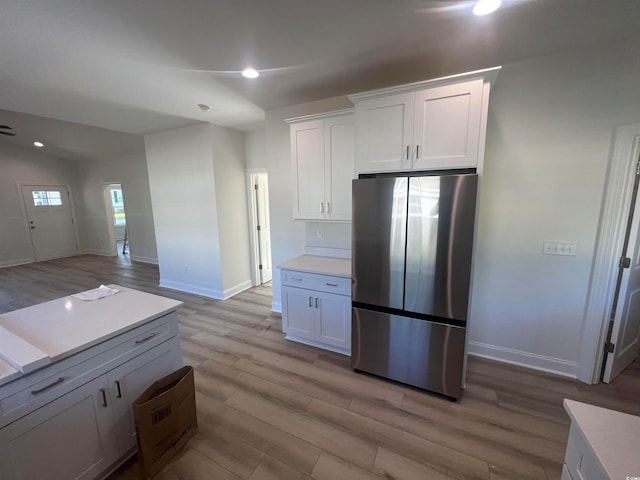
[
  {"x": 316, "y": 310},
  {"x": 69, "y": 438},
  {"x": 84, "y": 433},
  {"x": 128, "y": 381}
]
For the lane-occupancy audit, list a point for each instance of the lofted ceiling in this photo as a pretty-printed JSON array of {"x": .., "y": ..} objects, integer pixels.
[{"x": 103, "y": 73}]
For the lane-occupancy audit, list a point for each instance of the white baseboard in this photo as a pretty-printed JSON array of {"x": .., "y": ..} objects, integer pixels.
[
  {"x": 276, "y": 307},
  {"x": 102, "y": 253},
  {"x": 524, "y": 359},
  {"x": 138, "y": 258},
  {"x": 195, "y": 289},
  {"x": 241, "y": 287},
  {"x": 17, "y": 261}
]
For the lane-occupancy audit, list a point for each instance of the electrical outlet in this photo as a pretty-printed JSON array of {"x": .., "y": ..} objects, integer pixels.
[{"x": 559, "y": 247}]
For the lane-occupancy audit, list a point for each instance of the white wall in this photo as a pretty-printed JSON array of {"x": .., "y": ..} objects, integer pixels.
[
  {"x": 255, "y": 149},
  {"x": 131, "y": 172},
  {"x": 287, "y": 237},
  {"x": 551, "y": 122},
  {"x": 20, "y": 166},
  {"x": 550, "y": 128},
  {"x": 231, "y": 201},
  {"x": 191, "y": 208}
]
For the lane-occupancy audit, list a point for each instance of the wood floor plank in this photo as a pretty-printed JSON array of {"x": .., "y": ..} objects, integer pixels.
[
  {"x": 292, "y": 381},
  {"x": 330, "y": 467},
  {"x": 189, "y": 464},
  {"x": 272, "y": 469},
  {"x": 429, "y": 453},
  {"x": 254, "y": 384},
  {"x": 348, "y": 381},
  {"x": 325, "y": 436},
  {"x": 274, "y": 442},
  {"x": 458, "y": 435},
  {"x": 391, "y": 465}
]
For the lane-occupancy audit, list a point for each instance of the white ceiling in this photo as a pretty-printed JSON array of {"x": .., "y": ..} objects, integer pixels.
[{"x": 135, "y": 67}]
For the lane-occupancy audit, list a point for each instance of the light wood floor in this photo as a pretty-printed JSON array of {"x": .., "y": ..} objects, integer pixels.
[{"x": 272, "y": 409}]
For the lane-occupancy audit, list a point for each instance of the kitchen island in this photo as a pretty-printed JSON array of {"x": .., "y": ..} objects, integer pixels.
[{"x": 74, "y": 413}]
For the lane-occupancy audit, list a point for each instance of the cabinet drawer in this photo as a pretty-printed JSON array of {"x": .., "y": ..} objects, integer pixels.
[
  {"x": 44, "y": 386},
  {"x": 318, "y": 282}
]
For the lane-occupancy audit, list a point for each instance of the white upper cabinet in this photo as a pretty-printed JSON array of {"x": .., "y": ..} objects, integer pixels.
[
  {"x": 323, "y": 161},
  {"x": 384, "y": 132},
  {"x": 436, "y": 124}
]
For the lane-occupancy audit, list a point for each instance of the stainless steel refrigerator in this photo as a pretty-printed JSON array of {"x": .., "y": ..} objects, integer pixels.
[{"x": 411, "y": 267}]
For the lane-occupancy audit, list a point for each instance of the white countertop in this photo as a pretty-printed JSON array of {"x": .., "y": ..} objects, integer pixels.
[
  {"x": 613, "y": 436},
  {"x": 65, "y": 326},
  {"x": 340, "y": 267}
]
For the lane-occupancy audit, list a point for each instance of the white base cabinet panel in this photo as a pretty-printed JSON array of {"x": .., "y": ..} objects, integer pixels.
[
  {"x": 70, "y": 438},
  {"x": 316, "y": 310}
]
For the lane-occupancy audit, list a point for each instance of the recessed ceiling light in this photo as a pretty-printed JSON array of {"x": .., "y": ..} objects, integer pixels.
[
  {"x": 38, "y": 144},
  {"x": 485, "y": 7},
  {"x": 204, "y": 107},
  {"x": 250, "y": 73}
]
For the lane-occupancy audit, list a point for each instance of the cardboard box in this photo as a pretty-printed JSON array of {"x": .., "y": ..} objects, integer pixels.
[{"x": 165, "y": 416}]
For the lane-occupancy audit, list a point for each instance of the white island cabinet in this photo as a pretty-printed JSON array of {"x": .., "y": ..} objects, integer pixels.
[
  {"x": 72, "y": 419},
  {"x": 603, "y": 444},
  {"x": 316, "y": 302}
]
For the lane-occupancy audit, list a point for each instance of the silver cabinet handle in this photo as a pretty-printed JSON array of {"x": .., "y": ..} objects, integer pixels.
[
  {"x": 328, "y": 207},
  {"x": 297, "y": 279},
  {"x": 47, "y": 387},
  {"x": 310, "y": 301},
  {"x": 331, "y": 284},
  {"x": 321, "y": 207},
  {"x": 119, "y": 394},
  {"x": 417, "y": 150},
  {"x": 104, "y": 397},
  {"x": 407, "y": 152},
  {"x": 316, "y": 302},
  {"x": 145, "y": 339}
]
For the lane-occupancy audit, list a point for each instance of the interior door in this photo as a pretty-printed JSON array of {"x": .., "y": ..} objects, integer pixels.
[
  {"x": 50, "y": 221},
  {"x": 626, "y": 316},
  {"x": 264, "y": 232}
]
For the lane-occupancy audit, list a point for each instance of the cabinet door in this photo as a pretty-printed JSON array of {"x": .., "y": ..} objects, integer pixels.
[
  {"x": 307, "y": 154},
  {"x": 297, "y": 312},
  {"x": 447, "y": 126},
  {"x": 339, "y": 153},
  {"x": 129, "y": 380},
  {"x": 69, "y": 438},
  {"x": 384, "y": 131},
  {"x": 333, "y": 319}
]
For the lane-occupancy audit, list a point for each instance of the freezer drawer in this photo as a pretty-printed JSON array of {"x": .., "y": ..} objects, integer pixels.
[{"x": 417, "y": 352}]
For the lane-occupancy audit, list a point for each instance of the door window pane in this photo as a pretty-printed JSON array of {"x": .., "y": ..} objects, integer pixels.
[{"x": 46, "y": 198}]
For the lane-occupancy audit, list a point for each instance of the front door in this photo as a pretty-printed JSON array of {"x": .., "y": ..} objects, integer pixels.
[
  {"x": 50, "y": 222},
  {"x": 625, "y": 326}
]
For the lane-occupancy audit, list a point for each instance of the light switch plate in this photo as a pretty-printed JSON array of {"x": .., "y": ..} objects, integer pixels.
[{"x": 559, "y": 247}]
